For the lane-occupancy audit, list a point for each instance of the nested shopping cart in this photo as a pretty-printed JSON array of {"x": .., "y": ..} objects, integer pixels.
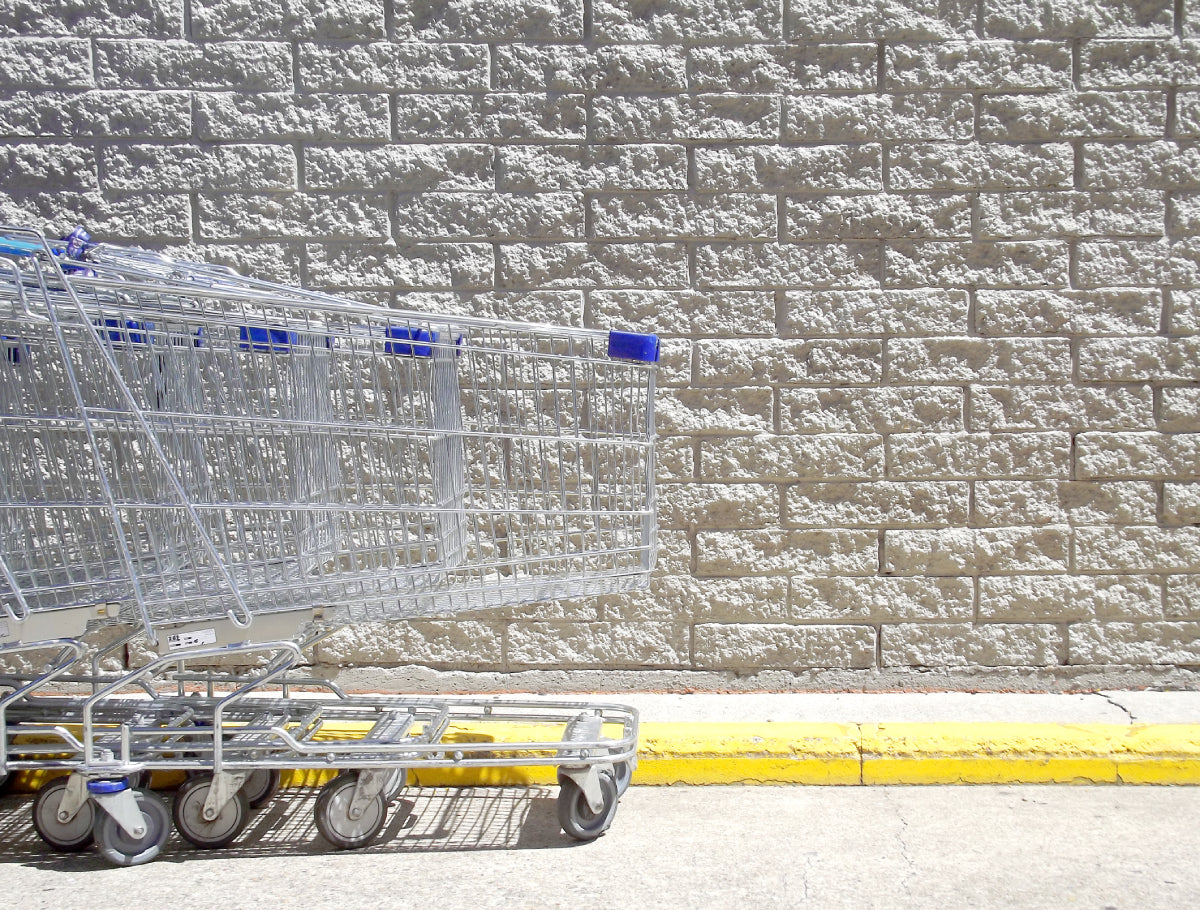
[{"x": 232, "y": 469}]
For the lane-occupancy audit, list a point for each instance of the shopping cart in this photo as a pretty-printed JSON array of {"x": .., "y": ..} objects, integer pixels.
[{"x": 232, "y": 469}]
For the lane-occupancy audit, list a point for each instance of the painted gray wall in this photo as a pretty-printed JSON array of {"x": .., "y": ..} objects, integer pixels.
[{"x": 928, "y": 270}]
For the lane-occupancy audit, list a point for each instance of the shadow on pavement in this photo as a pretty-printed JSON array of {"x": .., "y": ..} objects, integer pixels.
[{"x": 420, "y": 820}]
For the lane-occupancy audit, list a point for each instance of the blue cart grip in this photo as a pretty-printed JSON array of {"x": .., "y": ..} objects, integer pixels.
[
  {"x": 633, "y": 346},
  {"x": 410, "y": 342},
  {"x": 264, "y": 338}
]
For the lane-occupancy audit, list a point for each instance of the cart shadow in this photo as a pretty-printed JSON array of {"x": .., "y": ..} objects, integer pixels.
[{"x": 421, "y": 820}]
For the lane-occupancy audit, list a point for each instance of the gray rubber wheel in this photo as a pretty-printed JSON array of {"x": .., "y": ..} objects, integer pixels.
[
  {"x": 193, "y": 827},
  {"x": 332, "y": 814},
  {"x": 624, "y": 774},
  {"x": 396, "y": 782},
  {"x": 576, "y": 816},
  {"x": 119, "y": 848},
  {"x": 71, "y": 836},
  {"x": 261, "y": 786}
]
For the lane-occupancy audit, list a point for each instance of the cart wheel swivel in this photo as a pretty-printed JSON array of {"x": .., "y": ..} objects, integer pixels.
[
  {"x": 332, "y": 813},
  {"x": 121, "y": 849},
  {"x": 68, "y": 836},
  {"x": 199, "y": 831},
  {"x": 261, "y": 786},
  {"x": 576, "y": 816}
]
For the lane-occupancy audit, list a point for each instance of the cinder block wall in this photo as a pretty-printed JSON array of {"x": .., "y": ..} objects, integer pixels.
[{"x": 929, "y": 271}]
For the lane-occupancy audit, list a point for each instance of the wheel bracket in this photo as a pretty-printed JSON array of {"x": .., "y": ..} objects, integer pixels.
[
  {"x": 588, "y": 779},
  {"x": 123, "y": 808},
  {"x": 74, "y": 797},
  {"x": 224, "y": 785}
]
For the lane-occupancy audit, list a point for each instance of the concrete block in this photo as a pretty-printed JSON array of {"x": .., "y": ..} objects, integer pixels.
[
  {"x": 675, "y": 216},
  {"x": 96, "y": 114},
  {"x": 1124, "y": 311},
  {"x": 43, "y": 63},
  {"x": 623, "y": 118},
  {"x": 1078, "y": 19},
  {"x": 909, "y": 117},
  {"x": 1183, "y": 216},
  {"x": 980, "y": 166},
  {"x": 92, "y": 18},
  {"x": 1139, "y": 64},
  {"x": 490, "y": 216},
  {"x": 1180, "y": 410},
  {"x": 489, "y": 20},
  {"x": 775, "y": 168},
  {"x": 1181, "y": 504},
  {"x": 1187, "y": 115},
  {"x": 1000, "y": 264},
  {"x": 754, "y": 68},
  {"x": 246, "y": 66},
  {"x": 1139, "y": 359},
  {"x": 716, "y": 412},
  {"x": 595, "y": 168},
  {"x": 942, "y": 361},
  {"x": 792, "y": 458},
  {"x": 1184, "y": 316},
  {"x": 718, "y": 505},
  {"x": 1150, "y": 456},
  {"x": 928, "y": 311},
  {"x": 1160, "y": 165},
  {"x": 871, "y": 410},
  {"x": 230, "y": 216},
  {"x": 430, "y": 643},
  {"x": 1139, "y": 644},
  {"x": 572, "y": 68},
  {"x": 585, "y": 265},
  {"x": 597, "y": 644},
  {"x": 740, "y": 600},
  {"x": 1061, "y": 407},
  {"x": 59, "y": 167},
  {"x": 1182, "y": 597},
  {"x": 393, "y": 67},
  {"x": 879, "y": 599},
  {"x": 979, "y": 455},
  {"x": 675, "y": 458},
  {"x": 188, "y": 167},
  {"x": 406, "y": 168},
  {"x": 693, "y": 314},
  {"x": 887, "y": 20},
  {"x": 1084, "y": 115},
  {"x": 970, "y": 551},
  {"x": 686, "y": 21},
  {"x": 274, "y": 116},
  {"x": 979, "y": 65},
  {"x": 1044, "y": 502},
  {"x": 800, "y": 265},
  {"x": 131, "y": 218},
  {"x": 1137, "y": 263},
  {"x": 1070, "y": 598},
  {"x": 1137, "y": 549},
  {"x": 877, "y": 216},
  {"x": 775, "y": 645},
  {"x": 296, "y": 19},
  {"x": 762, "y": 362},
  {"x": 1030, "y": 216},
  {"x": 775, "y": 552},
  {"x": 967, "y": 644},
  {"x": 493, "y": 117},
  {"x": 420, "y": 266},
  {"x": 875, "y": 505}
]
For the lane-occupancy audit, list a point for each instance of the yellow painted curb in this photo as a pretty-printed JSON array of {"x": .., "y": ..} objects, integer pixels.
[{"x": 841, "y": 754}]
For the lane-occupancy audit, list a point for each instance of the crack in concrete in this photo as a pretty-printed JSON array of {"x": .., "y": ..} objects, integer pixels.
[{"x": 1116, "y": 704}]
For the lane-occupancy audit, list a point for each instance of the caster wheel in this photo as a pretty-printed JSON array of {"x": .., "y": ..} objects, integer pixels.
[
  {"x": 119, "y": 848},
  {"x": 332, "y": 813},
  {"x": 396, "y": 782},
  {"x": 624, "y": 774},
  {"x": 195, "y": 828},
  {"x": 576, "y": 816},
  {"x": 69, "y": 836},
  {"x": 261, "y": 786}
]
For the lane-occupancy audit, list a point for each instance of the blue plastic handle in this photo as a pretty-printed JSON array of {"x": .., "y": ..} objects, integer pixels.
[
  {"x": 14, "y": 247},
  {"x": 410, "y": 342},
  {"x": 632, "y": 346}
]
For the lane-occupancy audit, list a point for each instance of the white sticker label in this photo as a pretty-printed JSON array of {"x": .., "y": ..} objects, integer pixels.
[{"x": 192, "y": 639}]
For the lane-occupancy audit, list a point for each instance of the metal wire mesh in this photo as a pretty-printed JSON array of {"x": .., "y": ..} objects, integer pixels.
[{"x": 191, "y": 444}]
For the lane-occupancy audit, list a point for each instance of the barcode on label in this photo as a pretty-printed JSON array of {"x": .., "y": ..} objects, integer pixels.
[{"x": 191, "y": 639}]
